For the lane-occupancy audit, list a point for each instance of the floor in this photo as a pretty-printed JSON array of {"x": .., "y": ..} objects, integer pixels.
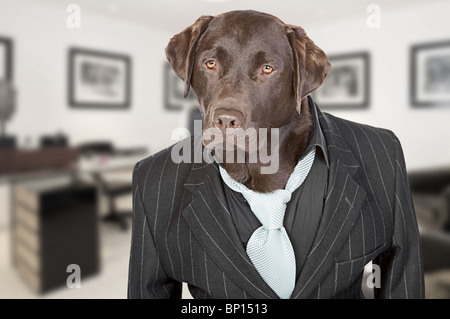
[{"x": 111, "y": 283}]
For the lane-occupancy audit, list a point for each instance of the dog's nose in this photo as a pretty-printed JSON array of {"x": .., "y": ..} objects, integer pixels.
[{"x": 227, "y": 119}]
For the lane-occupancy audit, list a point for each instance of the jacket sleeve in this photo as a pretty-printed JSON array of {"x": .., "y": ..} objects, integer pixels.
[
  {"x": 146, "y": 276},
  {"x": 401, "y": 266}
]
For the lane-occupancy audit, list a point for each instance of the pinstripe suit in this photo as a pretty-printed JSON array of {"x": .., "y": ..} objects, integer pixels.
[{"x": 183, "y": 231}]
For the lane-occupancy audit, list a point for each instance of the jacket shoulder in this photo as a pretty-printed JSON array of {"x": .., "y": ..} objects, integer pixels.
[
  {"x": 363, "y": 134},
  {"x": 163, "y": 164}
]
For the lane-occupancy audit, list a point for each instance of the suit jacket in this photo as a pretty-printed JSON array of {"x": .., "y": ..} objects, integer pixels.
[{"x": 183, "y": 231}]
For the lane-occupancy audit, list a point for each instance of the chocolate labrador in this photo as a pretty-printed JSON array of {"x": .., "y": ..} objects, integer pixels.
[{"x": 250, "y": 70}]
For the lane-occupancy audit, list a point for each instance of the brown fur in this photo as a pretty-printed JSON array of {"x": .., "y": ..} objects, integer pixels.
[{"x": 241, "y": 43}]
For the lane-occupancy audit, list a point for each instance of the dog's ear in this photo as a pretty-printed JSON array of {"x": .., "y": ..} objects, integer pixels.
[
  {"x": 311, "y": 64},
  {"x": 181, "y": 50}
]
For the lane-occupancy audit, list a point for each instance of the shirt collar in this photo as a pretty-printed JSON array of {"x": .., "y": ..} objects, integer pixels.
[{"x": 317, "y": 138}]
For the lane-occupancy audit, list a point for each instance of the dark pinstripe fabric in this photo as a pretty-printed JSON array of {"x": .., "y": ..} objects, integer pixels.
[{"x": 183, "y": 231}]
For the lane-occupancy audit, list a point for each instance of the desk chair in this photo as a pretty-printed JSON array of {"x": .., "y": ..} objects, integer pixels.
[{"x": 113, "y": 190}]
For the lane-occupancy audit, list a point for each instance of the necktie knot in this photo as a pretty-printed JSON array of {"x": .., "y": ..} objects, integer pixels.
[{"x": 271, "y": 213}]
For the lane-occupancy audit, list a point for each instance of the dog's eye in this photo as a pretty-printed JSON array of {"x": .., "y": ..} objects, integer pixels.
[
  {"x": 211, "y": 64},
  {"x": 267, "y": 69}
]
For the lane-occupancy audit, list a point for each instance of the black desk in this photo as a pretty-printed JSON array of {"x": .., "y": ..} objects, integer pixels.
[{"x": 54, "y": 224}]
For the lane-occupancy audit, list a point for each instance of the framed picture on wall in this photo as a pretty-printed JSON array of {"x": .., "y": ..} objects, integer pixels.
[
  {"x": 99, "y": 79},
  {"x": 174, "y": 91},
  {"x": 430, "y": 74},
  {"x": 347, "y": 85},
  {"x": 6, "y": 48}
]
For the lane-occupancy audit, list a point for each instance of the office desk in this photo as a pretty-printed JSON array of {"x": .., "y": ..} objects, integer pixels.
[
  {"x": 50, "y": 226},
  {"x": 108, "y": 163},
  {"x": 54, "y": 224},
  {"x": 32, "y": 160},
  {"x": 118, "y": 166}
]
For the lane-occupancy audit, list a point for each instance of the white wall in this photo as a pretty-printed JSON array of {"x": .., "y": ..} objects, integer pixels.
[
  {"x": 41, "y": 42},
  {"x": 424, "y": 133},
  {"x": 42, "y": 38}
]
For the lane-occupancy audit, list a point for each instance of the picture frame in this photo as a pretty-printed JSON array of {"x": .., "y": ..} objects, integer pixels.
[
  {"x": 6, "y": 59},
  {"x": 174, "y": 91},
  {"x": 430, "y": 74},
  {"x": 98, "y": 79},
  {"x": 347, "y": 85}
]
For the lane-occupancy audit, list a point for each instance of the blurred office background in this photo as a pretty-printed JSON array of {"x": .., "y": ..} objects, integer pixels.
[{"x": 85, "y": 92}]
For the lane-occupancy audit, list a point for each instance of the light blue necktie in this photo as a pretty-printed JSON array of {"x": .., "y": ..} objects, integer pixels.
[{"x": 269, "y": 247}]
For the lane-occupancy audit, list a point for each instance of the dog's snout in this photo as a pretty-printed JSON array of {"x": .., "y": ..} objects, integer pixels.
[{"x": 227, "y": 119}]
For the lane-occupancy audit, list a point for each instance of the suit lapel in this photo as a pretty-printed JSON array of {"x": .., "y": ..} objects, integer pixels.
[
  {"x": 211, "y": 223},
  {"x": 341, "y": 209}
]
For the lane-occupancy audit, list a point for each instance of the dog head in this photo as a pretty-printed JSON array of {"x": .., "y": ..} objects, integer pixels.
[{"x": 248, "y": 70}]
